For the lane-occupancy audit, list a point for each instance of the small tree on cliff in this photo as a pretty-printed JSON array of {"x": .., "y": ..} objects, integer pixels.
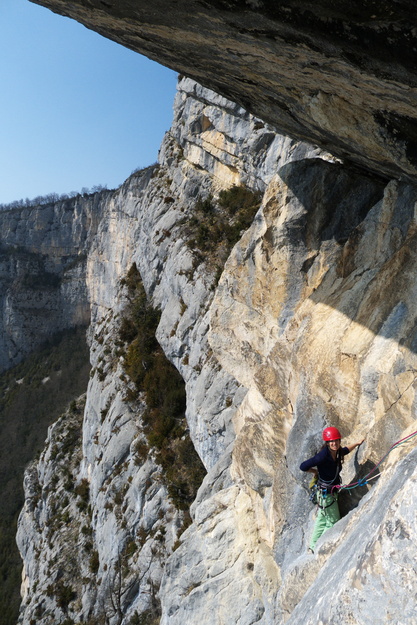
[{"x": 121, "y": 592}]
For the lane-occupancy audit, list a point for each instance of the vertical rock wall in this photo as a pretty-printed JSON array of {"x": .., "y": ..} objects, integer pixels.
[
  {"x": 43, "y": 252},
  {"x": 213, "y": 144},
  {"x": 312, "y": 322}
]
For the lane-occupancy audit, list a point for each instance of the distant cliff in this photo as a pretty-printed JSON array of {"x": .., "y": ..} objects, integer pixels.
[
  {"x": 303, "y": 317},
  {"x": 43, "y": 257}
]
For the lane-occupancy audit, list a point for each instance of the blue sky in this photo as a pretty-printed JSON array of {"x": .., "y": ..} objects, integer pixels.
[{"x": 76, "y": 109}]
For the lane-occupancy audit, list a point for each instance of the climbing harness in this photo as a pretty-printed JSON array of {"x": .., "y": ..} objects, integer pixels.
[
  {"x": 321, "y": 497},
  {"x": 313, "y": 487},
  {"x": 320, "y": 494},
  {"x": 364, "y": 480},
  {"x": 324, "y": 494}
]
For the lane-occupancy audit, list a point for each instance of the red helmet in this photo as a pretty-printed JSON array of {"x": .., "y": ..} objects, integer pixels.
[{"x": 331, "y": 434}]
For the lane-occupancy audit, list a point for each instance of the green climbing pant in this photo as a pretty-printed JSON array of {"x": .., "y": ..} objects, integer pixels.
[{"x": 328, "y": 514}]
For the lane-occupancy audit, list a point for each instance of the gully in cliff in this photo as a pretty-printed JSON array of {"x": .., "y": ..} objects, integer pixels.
[{"x": 329, "y": 462}]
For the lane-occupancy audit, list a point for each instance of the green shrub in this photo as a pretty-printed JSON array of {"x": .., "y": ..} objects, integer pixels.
[
  {"x": 94, "y": 562},
  {"x": 141, "y": 450},
  {"x": 216, "y": 226},
  {"x": 127, "y": 330},
  {"x": 205, "y": 206},
  {"x": 63, "y": 593},
  {"x": 164, "y": 421},
  {"x": 83, "y": 490},
  {"x": 130, "y": 549}
]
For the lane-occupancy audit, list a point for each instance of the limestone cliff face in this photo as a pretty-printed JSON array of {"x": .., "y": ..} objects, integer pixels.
[
  {"x": 42, "y": 272},
  {"x": 341, "y": 75},
  {"x": 210, "y": 147},
  {"x": 312, "y": 322}
]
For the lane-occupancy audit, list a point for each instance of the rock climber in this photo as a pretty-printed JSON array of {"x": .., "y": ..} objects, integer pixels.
[{"x": 328, "y": 462}]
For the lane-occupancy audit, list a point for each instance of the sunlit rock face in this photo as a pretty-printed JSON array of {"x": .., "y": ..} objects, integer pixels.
[
  {"x": 312, "y": 322},
  {"x": 212, "y": 145},
  {"x": 314, "y": 316},
  {"x": 318, "y": 323},
  {"x": 337, "y": 74}
]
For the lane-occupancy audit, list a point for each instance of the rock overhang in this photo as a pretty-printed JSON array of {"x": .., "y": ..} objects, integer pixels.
[{"x": 339, "y": 75}]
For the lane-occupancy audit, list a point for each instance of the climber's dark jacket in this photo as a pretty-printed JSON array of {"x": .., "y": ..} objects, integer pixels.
[{"x": 329, "y": 470}]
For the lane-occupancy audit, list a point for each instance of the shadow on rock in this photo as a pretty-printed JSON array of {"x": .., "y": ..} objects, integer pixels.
[{"x": 349, "y": 499}]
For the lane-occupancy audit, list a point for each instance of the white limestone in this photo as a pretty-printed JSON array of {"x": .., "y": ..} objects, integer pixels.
[{"x": 311, "y": 323}]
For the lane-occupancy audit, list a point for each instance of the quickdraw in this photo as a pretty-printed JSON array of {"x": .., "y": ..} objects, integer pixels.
[
  {"x": 313, "y": 494},
  {"x": 320, "y": 495},
  {"x": 320, "y": 491}
]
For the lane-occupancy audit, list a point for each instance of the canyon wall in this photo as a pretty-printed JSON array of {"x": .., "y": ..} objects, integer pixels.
[
  {"x": 309, "y": 321},
  {"x": 43, "y": 257}
]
